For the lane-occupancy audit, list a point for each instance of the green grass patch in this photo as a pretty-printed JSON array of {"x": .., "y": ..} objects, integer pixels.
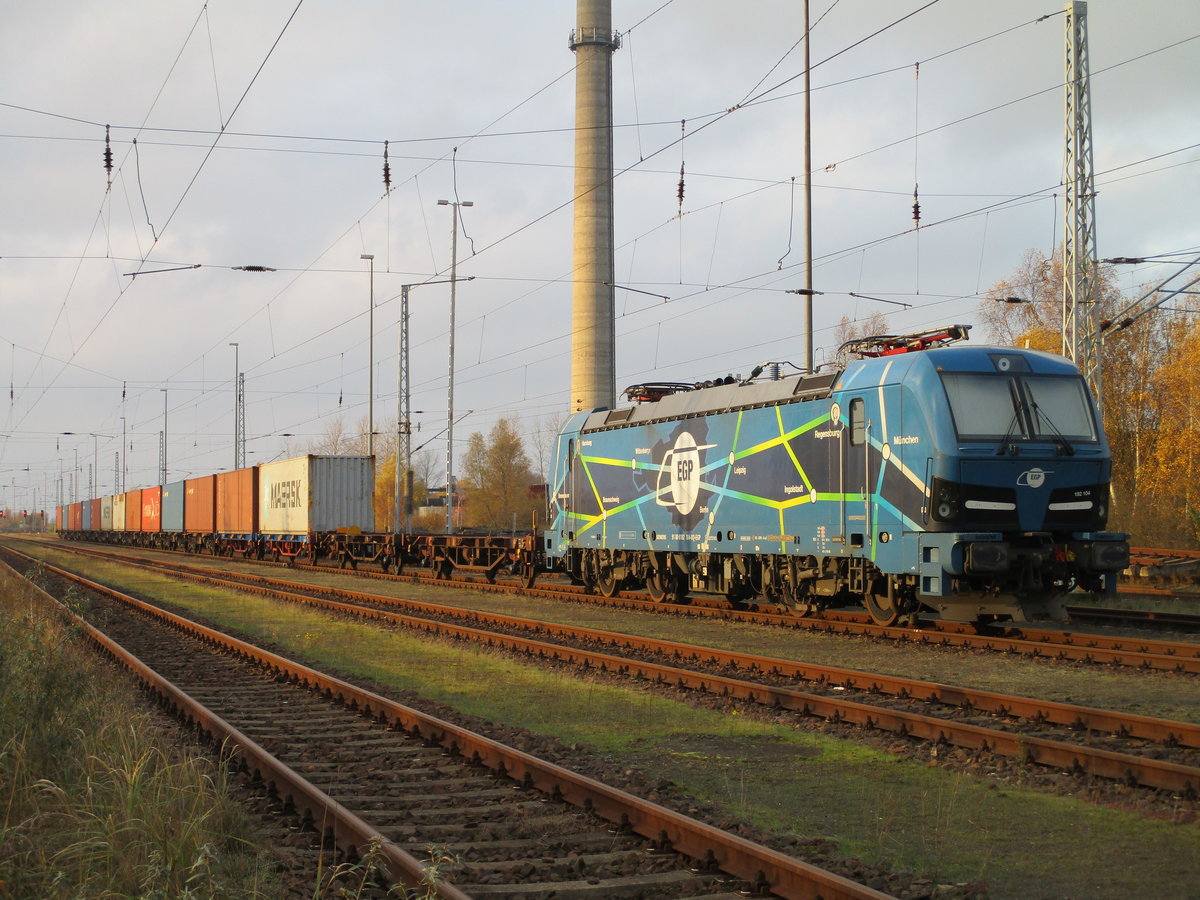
[{"x": 952, "y": 826}]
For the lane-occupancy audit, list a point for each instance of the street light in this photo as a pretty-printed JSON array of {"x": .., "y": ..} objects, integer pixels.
[
  {"x": 450, "y": 364},
  {"x": 237, "y": 427},
  {"x": 121, "y": 487},
  {"x": 162, "y": 475},
  {"x": 370, "y": 258}
]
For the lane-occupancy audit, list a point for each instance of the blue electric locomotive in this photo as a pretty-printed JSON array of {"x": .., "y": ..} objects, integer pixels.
[{"x": 973, "y": 481}]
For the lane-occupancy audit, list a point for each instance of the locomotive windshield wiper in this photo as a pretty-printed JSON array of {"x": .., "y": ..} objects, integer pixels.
[
  {"x": 1064, "y": 446},
  {"x": 1005, "y": 446}
]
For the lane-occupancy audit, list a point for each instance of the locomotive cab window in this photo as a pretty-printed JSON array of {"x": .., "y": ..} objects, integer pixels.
[
  {"x": 1060, "y": 408},
  {"x": 1020, "y": 407},
  {"x": 858, "y": 422}
]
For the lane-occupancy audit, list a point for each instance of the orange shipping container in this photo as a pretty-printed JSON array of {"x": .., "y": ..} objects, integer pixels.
[
  {"x": 95, "y": 520},
  {"x": 200, "y": 505},
  {"x": 133, "y": 510},
  {"x": 237, "y": 501},
  {"x": 151, "y": 509}
]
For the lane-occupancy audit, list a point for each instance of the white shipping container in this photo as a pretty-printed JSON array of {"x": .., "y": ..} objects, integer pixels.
[
  {"x": 316, "y": 493},
  {"x": 118, "y": 513}
]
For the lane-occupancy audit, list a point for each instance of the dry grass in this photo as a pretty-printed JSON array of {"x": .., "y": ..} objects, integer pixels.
[{"x": 91, "y": 804}]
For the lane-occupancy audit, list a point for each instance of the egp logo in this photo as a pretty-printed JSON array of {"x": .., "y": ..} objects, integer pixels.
[
  {"x": 683, "y": 463},
  {"x": 1033, "y": 478}
]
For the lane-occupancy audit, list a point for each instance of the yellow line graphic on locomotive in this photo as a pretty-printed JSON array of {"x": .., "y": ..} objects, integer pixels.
[{"x": 670, "y": 493}]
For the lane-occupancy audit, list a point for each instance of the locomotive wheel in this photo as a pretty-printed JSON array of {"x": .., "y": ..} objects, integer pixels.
[
  {"x": 800, "y": 602},
  {"x": 606, "y": 584},
  {"x": 666, "y": 587},
  {"x": 598, "y": 573},
  {"x": 883, "y": 610},
  {"x": 797, "y": 594}
]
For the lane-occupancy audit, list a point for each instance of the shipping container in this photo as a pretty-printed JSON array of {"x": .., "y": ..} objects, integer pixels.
[
  {"x": 200, "y": 505},
  {"x": 172, "y": 506},
  {"x": 59, "y": 520},
  {"x": 75, "y": 516},
  {"x": 237, "y": 501},
  {"x": 106, "y": 513},
  {"x": 151, "y": 506},
  {"x": 316, "y": 493},
  {"x": 133, "y": 510},
  {"x": 97, "y": 515},
  {"x": 118, "y": 512},
  {"x": 86, "y": 515}
]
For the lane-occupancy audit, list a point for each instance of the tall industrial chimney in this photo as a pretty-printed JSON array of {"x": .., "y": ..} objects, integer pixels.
[{"x": 593, "y": 340}]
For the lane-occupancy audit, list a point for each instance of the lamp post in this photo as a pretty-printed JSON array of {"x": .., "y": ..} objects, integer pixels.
[
  {"x": 236, "y": 436},
  {"x": 370, "y": 258},
  {"x": 450, "y": 364},
  {"x": 162, "y": 474}
]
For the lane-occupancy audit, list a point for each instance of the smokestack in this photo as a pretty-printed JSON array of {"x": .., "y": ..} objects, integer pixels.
[{"x": 593, "y": 344}]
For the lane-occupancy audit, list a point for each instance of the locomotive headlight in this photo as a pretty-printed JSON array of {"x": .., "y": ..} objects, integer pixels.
[{"x": 945, "y": 500}]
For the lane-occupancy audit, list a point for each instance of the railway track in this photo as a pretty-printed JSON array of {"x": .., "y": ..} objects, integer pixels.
[
  {"x": 1136, "y": 651},
  {"x": 1160, "y": 566},
  {"x": 1132, "y": 749},
  {"x": 1135, "y": 618},
  {"x": 371, "y": 773}
]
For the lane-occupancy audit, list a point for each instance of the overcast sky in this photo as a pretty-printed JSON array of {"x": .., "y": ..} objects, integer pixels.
[{"x": 475, "y": 100}]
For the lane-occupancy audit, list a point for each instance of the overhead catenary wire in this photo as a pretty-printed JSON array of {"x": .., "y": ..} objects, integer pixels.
[{"x": 313, "y": 269}]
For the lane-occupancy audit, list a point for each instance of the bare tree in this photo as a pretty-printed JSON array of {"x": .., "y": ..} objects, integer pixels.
[
  {"x": 542, "y": 441},
  {"x": 873, "y": 325}
]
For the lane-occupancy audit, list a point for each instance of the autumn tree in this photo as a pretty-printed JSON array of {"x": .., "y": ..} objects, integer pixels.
[
  {"x": 496, "y": 478},
  {"x": 1145, "y": 386},
  {"x": 1169, "y": 457}
]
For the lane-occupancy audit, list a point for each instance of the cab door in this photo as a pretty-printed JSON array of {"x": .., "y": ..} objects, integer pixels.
[{"x": 855, "y": 476}]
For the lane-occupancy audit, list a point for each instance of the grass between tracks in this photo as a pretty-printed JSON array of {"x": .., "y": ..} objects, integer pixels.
[
  {"x": 95, "y": 801},
  {"x": 948, "y": 825}
]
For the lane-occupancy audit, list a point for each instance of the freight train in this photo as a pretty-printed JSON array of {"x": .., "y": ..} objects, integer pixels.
[
  {"x": 971, "y": 481},
  {"x": 924, "y": 475},
  {"x": 309, "y": 508}
]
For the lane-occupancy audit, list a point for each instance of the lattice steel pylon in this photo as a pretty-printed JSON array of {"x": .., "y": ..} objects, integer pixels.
[
  {"x": 1080, "y": 321},
  {"x": 239, "y": 423}
]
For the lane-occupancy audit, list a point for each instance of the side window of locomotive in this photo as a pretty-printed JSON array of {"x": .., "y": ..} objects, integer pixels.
[{"x": 858, "y": 422}]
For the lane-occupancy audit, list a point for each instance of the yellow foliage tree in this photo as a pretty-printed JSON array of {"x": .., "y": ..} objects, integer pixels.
[{"x": 1170, "y": 469}]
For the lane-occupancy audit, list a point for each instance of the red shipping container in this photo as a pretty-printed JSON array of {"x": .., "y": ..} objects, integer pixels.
[
  {"x": 200, "y": 505},
  {"x": 95, "y": 515},
  {"x": 237, "y": 501},
  {"x": 133, "y": 510},
  {"x": 151, "y": 509}
]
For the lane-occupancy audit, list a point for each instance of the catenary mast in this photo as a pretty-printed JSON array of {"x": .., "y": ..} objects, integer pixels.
[{"x": 1080, "y": 333}]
